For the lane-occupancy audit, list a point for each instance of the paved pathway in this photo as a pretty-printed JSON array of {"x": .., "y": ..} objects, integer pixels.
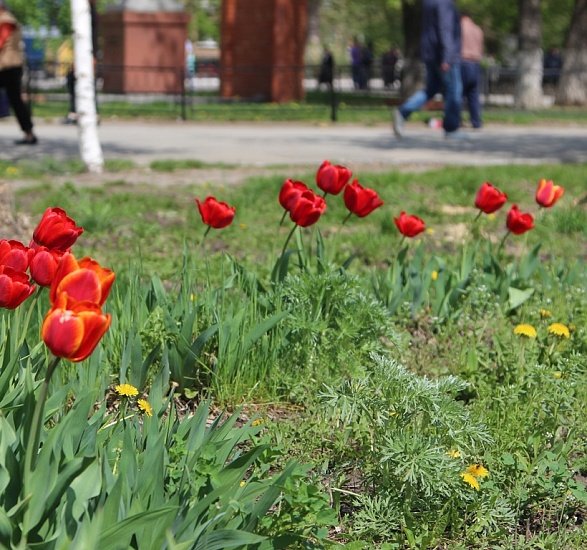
[{"x": 270, "y": 144}]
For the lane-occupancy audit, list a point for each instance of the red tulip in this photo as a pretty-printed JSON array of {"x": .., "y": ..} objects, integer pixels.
[
  {"x": 56, "y": 230},
  {"x": 14, "y": 254},
  {"x": 489, "y": 199},
  {"x": 290, "y": 193},
  {"x": 548, "y": 193},
  {"x": 331, "y": 179},
  {"x": 15, "y": 287},
  {"x": 409, "y": 226},
  {"x": 44, "y": 265},
  {"x": 308, "y": 209},
  {"x": 83, "y": 280},
  {"x": 518, "y": 222},
  {"x": 73, "y": 329},
  {"x": 216, "y": 214},
  {"x": 361, "y": 200}
]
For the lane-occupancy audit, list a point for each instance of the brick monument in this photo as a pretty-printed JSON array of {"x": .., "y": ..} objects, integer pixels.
[
  {"x": 262, "y": 49},
  {"x": 143, "y": 46}
]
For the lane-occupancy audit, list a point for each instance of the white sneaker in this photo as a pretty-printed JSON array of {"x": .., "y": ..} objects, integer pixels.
[{"x": 398, "y": 123}]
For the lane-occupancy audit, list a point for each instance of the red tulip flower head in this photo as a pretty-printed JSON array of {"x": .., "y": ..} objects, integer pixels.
[
  {"x": 44, "y": 264},
  {"x": 332, "y": 178},
  {"x": 489, "y": 199},
  {"x": 73, "y": 329},
  {"x": 15, "y": 255},
  {"x": 519, "y": 222},
  {"x": 409, "y": 226},
  {"x": 56, "y": 230},
  {"x": 15, "y": 287},
  {"x": 85, "y": 280},
  {"x": 361, "y": 200},
  {"x": 216, "y": 214},
  {"x": 548, "y": 193},
  {"x": 291, "y": 192},
  {"x": 307, "y": 209}
]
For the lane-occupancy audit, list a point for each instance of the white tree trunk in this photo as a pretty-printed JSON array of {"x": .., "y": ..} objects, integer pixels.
[
  {"x": 572, "y": 86},
  {"x": 528, "y": 93},
  {"x": 85, "y": 100}
]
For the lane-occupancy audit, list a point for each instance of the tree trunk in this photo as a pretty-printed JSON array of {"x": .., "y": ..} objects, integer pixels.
[
  {"x": 412, "y": 77},
  {"x": 85, "y": 97},
  {"x": 528, "y": 91},
  {"x": 313, "y": 46},
  {"x": 572, "y": 85}
]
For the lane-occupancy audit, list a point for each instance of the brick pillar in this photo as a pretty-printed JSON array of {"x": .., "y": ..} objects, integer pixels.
[{"x": 262, "y": 49}]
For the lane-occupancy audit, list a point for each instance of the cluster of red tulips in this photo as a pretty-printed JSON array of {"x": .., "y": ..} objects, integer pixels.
[
  {"x": 490, "y": 200},
  {"x": 75, "y": 322},
  {"x": 305, "y": 207}
]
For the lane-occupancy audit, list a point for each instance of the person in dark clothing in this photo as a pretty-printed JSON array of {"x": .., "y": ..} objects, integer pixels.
[
  {"x": 553, "y": 63},
  {"x": 366, "y": 64},
  {"x": 11, "y": 64},
  {"x": 440, "y": 49},
  {"x": 388, "y": 62},
  {"x": 326, "y": 69}
]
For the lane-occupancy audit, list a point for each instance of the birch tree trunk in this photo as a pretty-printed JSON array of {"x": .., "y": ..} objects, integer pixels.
[
  {"x": 528, "y": 91},
  {"x": 572, "y": 85},
  {"x": 85, "y": 98}
]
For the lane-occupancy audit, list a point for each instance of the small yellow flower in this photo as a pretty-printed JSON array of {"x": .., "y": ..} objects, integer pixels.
[
  {"x": 430, "y": 231},
  {"x": 145, "y": 406},
  {"x": 491, "y": 217},
  {"x": 242, "y": 225},
  {"x": 126, "y": 390},
  {"x": 392, "y": 413},
  {"x": 525, "y": 330},
  {"x": 192, "y": 297},
  {"x": 558, "y": 374},
  {"x": 434, "y": 275},
  {"x": 478, "y": 470},
  {"x": 471, "y": 480},
  {"x": 257, "y": 422},
  {"x": 558, "y": 329},
  {"x": 12, "y": 171},
  {"x": 544, "y": 313},
  {"x": 454, "y": 454},
  {"x": 243, "y": 483}
]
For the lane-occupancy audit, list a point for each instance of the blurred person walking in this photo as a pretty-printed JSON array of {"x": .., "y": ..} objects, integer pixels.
[
  {"x": 440, "y": 49},
  {"x": 471, "y": 53},
  {"x": 11, "y": 64}
]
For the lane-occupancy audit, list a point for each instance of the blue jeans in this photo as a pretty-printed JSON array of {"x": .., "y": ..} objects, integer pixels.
[
  {"x": 447, "y": 83},
  {"x": 471, "y": 75}
]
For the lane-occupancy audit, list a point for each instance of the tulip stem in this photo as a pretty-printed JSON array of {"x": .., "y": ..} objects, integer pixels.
[
  {"x": 503, "y": 242},
  {"x": 32, "y": 449},
  {"x": 283, "y": 218},
  {"x": 478, "y": 215},
  {"x": 288, "y": 239},
  {"x": 347, "y": 218},
  {"x": 28, "y": 315}
]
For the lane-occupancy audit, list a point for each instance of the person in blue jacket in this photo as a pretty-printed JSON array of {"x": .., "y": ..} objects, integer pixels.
[{"x": 440, "y": 49}]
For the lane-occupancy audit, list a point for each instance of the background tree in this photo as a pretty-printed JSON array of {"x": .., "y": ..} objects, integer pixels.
[{"x": 572, "y": 86}]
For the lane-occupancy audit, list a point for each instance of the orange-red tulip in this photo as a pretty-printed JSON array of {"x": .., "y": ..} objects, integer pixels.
[
  {"x": 548, "y": 193},
  {"x": 15, "y": 287},
  {"x": 519, "y": 222},
  {"x": 307, "y": 209},
  {"x": 291, "y": 192},
  {"x": 216, "y": 214},
  {"x": 83, "y": 280},
  {"x": 361, "y": 200},
  {"x": 56, "y": 230},
  {"x": 489, "y": 199},
  {"x": 14, "y": 254},
  {"x": 409, "y": 226},
  {"x": 332, "y": 178},
  {"x": 73, "y": 329}
]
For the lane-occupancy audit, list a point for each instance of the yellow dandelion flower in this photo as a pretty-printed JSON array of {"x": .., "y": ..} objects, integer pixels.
[
  {"x": 544, "y": 313},
  {"x": 434, "y": 275},
  {"x": 478, "y": 470},
  {"x": 430, "y": 231},
  {"x": 453, "y": 454},
  {"x": 471, "y": 480},
  {"x": 558, "y": 329},
  {"x": 126, "y": 390},
  {"x": 525, "y": 330},
  {"x": 243, "y": 483},
  {"x": 558, "y": 374},
  {"x": 145, "y": 406},
  {"x": 257, "y": 422}
]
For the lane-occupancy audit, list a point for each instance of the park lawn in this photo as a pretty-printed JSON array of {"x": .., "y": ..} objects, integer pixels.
[{"x": 426, "y": 420}]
